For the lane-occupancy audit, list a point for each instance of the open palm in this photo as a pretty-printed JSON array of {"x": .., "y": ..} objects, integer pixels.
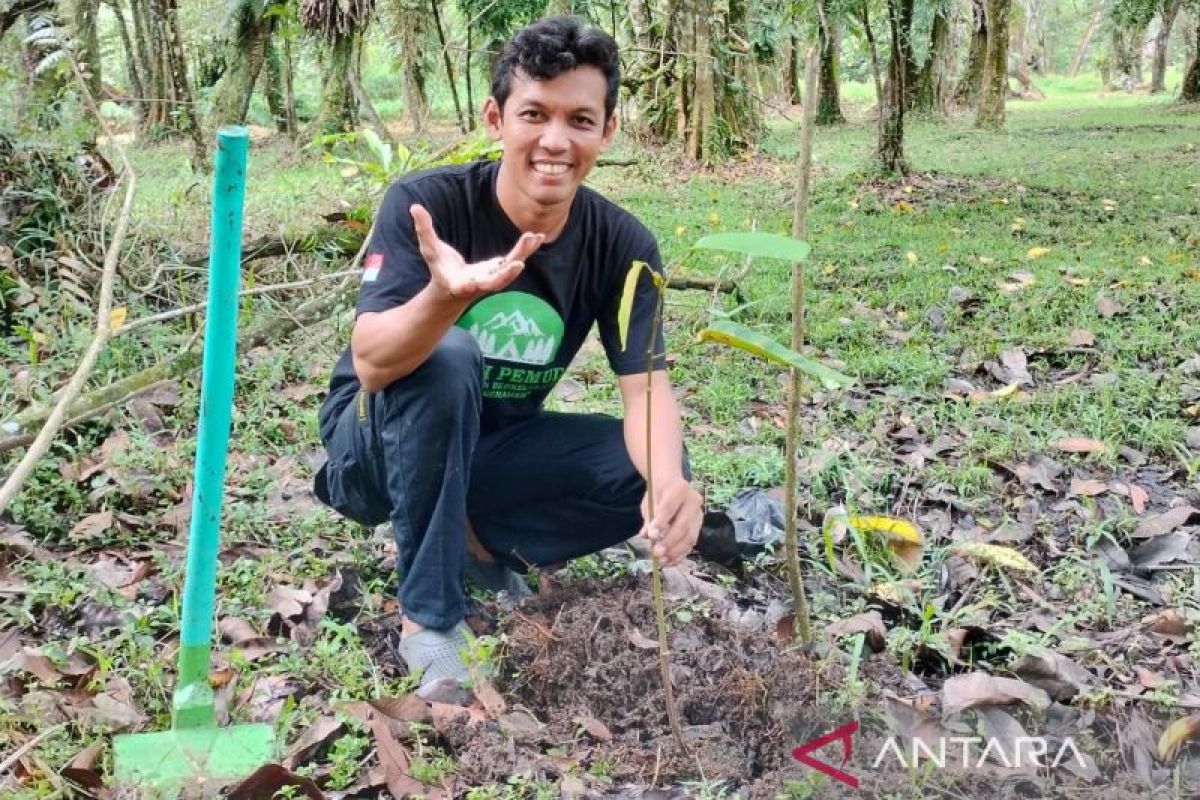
[{"x": 450, "y": 271}]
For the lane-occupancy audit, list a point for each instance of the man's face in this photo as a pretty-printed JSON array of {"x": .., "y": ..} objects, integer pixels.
[{"x": 552, "y": 132}]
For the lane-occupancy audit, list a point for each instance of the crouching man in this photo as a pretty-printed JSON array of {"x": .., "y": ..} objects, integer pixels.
[{"x": 480, "y": 284}]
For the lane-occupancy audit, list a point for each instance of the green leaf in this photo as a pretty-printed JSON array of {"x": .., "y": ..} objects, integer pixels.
[
  {"x": 756, "y": 243},
  {"x": 627, "y": 294},
  {"x": 734, "y": 334}
]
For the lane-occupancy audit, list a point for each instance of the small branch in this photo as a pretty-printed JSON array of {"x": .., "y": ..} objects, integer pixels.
[
  {"x": 277, "y": 287},
  {"x": 7, "y": 764}
]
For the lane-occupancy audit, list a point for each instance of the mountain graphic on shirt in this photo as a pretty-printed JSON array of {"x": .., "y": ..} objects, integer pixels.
[{"x": 516, "y": 327}]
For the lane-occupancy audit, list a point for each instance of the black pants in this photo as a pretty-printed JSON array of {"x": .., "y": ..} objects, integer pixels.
[{"x": 540, "y": 491}]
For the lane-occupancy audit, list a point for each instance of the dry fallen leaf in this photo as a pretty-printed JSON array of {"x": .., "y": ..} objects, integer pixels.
[
  {"x": 1175, "y": 735},
  {"x": 995, "y": 554},
  {"x": 269, "y": 779},
  {"x": 1078, "y": 444},
  {"x": 394, "y": 759},
  {"x": 870, "y": 624},
  {"x": 1108, "y": 307},
  {"x": 491, "y": 700},
  {"x": 1164, "y": 523},
  {"x": 1080, "y": 337},
  {"x": 1087, "y": 487},
  {"x": 961, "y": 692},
  {"x": 1052, "y": 672},
  {"x": 92, "y": 525},
  {"x": 595, "y": 728},
  {"x": 1036, "y": 252}
]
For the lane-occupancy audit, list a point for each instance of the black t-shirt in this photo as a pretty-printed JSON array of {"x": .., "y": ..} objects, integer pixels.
[{"x": 530, "y": 330}]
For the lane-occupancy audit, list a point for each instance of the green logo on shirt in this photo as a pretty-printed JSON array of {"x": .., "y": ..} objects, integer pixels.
[{"x": 516, "y": 327}]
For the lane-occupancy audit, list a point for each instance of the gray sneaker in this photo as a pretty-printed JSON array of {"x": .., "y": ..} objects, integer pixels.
[{"x": 437, "y": 655}]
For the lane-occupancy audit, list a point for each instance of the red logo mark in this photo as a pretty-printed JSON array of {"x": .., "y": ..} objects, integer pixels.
[{"x": 846, "y": 735}]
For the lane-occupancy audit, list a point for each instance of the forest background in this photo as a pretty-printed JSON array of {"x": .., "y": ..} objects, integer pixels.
[{"x": 1005, "y": 232}]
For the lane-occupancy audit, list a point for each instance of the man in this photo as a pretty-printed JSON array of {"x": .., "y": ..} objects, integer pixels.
[{"x": 480, "y": 284}]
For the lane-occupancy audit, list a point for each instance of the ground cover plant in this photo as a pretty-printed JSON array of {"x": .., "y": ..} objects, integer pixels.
[{"x": 1018, "y": 315}]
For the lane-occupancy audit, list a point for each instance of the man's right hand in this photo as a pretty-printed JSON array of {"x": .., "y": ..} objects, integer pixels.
[{"x": 452, "y": 275}]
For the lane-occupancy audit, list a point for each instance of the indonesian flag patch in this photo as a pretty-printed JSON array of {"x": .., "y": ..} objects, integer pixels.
[{"x": 371, "y": 266}]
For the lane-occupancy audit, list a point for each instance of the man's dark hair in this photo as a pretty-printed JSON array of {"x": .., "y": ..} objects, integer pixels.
[{"x": 549, "y": 47}]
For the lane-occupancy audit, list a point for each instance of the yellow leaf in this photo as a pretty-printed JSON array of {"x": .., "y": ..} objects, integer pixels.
[
  {"x": 911, "y": 256},
  {"x": 903, "y": 206},
  {"x": 117, "y": 317},
  {"x": 1175, "y": 258},
  {"x": 1194, "y": 274},
  {"x": 1004, "y": 391},
  {"x": 943, "y": 247},
  {"x": 903, "y": 538},
  {"x": 1143, "y": 261},
  {"x": 1175, "y": 735},
  {"x": 986, "y": 260},
  {"x": 680, "y": 230},
  {"x": 828, "y": 269},
  {"x": 1036, "y": 252},
  {"x": 714, "y": 219},
  {"x": 995, "y": 554}
]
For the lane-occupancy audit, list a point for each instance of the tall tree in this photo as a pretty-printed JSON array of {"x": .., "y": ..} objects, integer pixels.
[
  {"x": 133, "y": 65},
  {"x": 890, "y": 147},
  {"x": 967, "y": 91},
  {"x": 247, "y": 40},
  {"x": 993, "y": 89},
  {"x": 1085, "y": 41},
  {"x": 933, "y": 80},
  {"x": 410, "y": 29},
  {"x": 1190, "y": 93},
  {"x": 829, "y": 35},
  {"x": 87, "y": 44},
  {"x": 1168, "y": 10},
  {"x": 340, "y": 25}
]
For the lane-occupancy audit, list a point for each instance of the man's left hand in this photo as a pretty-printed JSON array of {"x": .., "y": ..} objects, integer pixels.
[{"x": 678, "y": 512}]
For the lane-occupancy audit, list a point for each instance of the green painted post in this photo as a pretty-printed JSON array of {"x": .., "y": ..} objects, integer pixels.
[{"x": 192, "y": 706}]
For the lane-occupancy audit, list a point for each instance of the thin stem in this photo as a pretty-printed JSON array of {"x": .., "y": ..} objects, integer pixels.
[
  {"x": 656, "y": 582},
  {"x": 799, "y": 230}
]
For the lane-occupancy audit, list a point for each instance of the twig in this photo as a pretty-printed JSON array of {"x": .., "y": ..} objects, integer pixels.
[
  {"x": 276, "y": 287},
  {"x": 54, "y": 422},
  {"x": 25, "y": 748}
]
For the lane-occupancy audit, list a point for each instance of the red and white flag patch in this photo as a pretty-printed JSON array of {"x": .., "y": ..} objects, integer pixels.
[{"x": 371, "y": 266}]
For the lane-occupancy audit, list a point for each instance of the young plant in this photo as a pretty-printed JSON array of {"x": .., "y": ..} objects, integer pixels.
[{"x": 731, "y": 334}]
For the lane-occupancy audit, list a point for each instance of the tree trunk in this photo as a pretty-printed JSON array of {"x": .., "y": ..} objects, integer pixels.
[
  {"x": 339, "y": 109},
  {"x": 246, "y": 52},
  {"x": 702, "y": 144},
  {"x": 274, "y": 87},
  {"x": 1018, "y": 61},
  {"x": 967, "y": 91},
  {"x": 1158, "y": 76},
  {"x": 909, "y": 95},
  {"x": 87, "y": 45},
  {"x": 132, "y": 72},
  {"x": 829, "y": 107},
  {"x": 410, "y": 39},
  {"x": 891, "y": 130},
  {"x": 994, "y": 88},
  {"x": 1123, "y": 47},
  {"x": 873, "y": 49},
  {"x": 360, "y": 94},
  {"x": 470, "y": 87},
  {"x": 933, "y": 82},
  {"x": 792, "y": 71},
  {"x": 1190, "y": 93},
  {"x": 437, "y": 24},
  {"x": 1084, "y": 42},
  {"x": 177, "y": 60}
]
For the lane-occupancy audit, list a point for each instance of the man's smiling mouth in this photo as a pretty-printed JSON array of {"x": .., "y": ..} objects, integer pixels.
[{"x": 550, "y": 168}]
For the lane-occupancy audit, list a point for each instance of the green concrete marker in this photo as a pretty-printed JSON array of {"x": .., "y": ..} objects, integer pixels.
[{"x": 195, "y": 753}]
